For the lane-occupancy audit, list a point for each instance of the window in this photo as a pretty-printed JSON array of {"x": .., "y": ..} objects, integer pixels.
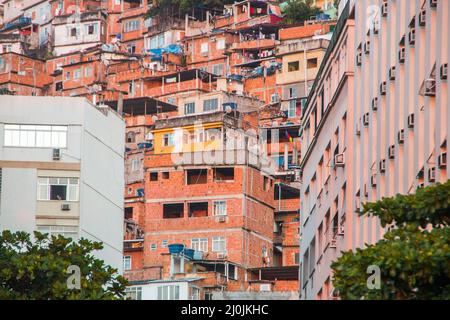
[
  {"x": 77, "y": 74},
  {"x": 189, "y": 108},
  {"x": 204, "y": 48},
  {"x": 292, "y": 92},
  {"x": 293, "y": 66},
  {"x": 58, "y": 189},
  {"x": 266, "y": 183},
  {"x": 135, "y": 165},
  {"x": 210, "y": 105},
  {"x": 292, "y": 111},
  {"x": 165, "y": 175},
  {"x": 169, "y": 292},
  {"x": 198, "y": 209},
  {"x": 195, "y": 293},
  {"x": 164, "y": 243},
  {"x": 131, "y": 48},
  {"x": 217, "y": 69},
  {"x": 133, "y": 293},
  {"x": 65, "y": 231},
  {"x": 208, "y": 295},
  {"x": 67, "y": 75},
  {"x": 91, "y": 29},
  {"x": 173, "y": 210},
  {"x": 168, "y": 140},
  {"x": 223, "y": 174},
  {"x": 127, "y": 263},
  {"x": 212, "y": 134},
  {"x": 220, "y": 208},
  {"x": 132, "y": 25},
  {"x": 219, "y": 244},
  {"x": 88, "y": 71},
  {"x": 153, "y": 247},
  {"x": 196, "y": 176},
  {"x": 117, "y": 2},
  {"x": 35, "y": 136},
  {"x": 220, "y": 44},
  {"x": 199, "y": 244},
  {"x": 311, "y": 63},
  {"x": 153, "y": 176},
  {"x": 73, "y": 32},
  {"x": 59, "y": 86},
  {"x": 131, "y": 137}
]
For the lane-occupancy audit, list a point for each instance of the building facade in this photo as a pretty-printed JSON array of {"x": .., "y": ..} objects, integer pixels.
[
  {"x": 61, "y": 163},
  {"x": 376, "y": 124}
]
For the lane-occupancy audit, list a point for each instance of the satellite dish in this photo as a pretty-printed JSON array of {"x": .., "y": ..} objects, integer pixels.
[
  {"x": 154, "y": 118},
  {"x": 228, "y": 109}
]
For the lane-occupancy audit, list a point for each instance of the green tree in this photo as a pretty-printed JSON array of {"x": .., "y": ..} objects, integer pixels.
[
  {"x": 38, "y": 269},
  {"x": 181, "y": 7},
  {"x": 413, "y": 258},
  {"x": 299, "y": 10}
]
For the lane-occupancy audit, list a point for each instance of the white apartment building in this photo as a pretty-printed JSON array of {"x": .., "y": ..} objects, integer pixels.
[{"x": 61, "y": 165}]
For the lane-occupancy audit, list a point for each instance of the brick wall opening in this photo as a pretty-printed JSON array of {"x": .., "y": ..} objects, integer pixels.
[
  {"x": 198, "y": 209},
  {"x": 153, "y": 176},
  {"x": 223, "y": 174},
  {"x": 173, "y": 211},
  {"x": 196, "y": 176},
  {"x": 129, "y": 213}
]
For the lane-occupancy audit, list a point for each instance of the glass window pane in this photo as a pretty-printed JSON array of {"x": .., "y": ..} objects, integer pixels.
[
  {"x": 43, "y": 192},
  {"x": 58, "y": 192},
  {"x": 62, "y": 139},
  {"x": 8, "y": 138}
]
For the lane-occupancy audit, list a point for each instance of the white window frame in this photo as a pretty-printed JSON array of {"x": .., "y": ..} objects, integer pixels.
[
  {"x": 127, "y": 263},
  {"x": 65, "y": 231},
  {"x": 208, "y": 104},
  {"x": 204, "y": 47},
  {"x": 170, "y": 139},
  {"x": 220, "y": 211},
  {"x": 219, "y": 244},
  {"x": 72, "y": 189},
  {"x": 134, "y": 293},
  {"x": 220, "y": 44},
  {"x": 199, "y": 244},
  {"x": 168, "y": 292},
  {"x": 35, "y": 136}
]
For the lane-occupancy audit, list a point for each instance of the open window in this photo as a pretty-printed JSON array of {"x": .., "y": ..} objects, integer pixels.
[
  {"x": 153, "y": 176},
  {"x": 173, "y": 211},
  {"x": 223, "y": 174},
  {"x": 129, "y": 213},
  {"x": 198, "y": 209},
  {"x": 196, "y": 176}
]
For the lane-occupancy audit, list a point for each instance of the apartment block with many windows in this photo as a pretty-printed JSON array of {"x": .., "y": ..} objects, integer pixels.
[
  {"x": 376, "y": 124},
  {"x": 61, "y": 162}
]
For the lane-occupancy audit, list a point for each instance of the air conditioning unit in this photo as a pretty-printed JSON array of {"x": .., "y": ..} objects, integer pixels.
[
  {"x": 367, "y": 47},
  {"x": 341, "y": 230},
  {"x": 366, "y": 119},
  {"x": 339, "y": 160},
  {"x": 442, "y": 160},
  {"x": 333, "y": 243},
  {"x": 56, "y": 154},
  {"x": 444, "y": 71},
  {"x": 423, "y": 18},
  {"x": 359, "y": 59},
  {"x": 383, "y": 166},
  {"x": 65, "y": 207},
  {"x": 412, "y": 37},
  {"x": 402, "y": 55},
  {"x": 358, "y": 128},
  {"x": 275, "y": 98},
  {"x": 221, "y": 219},
  {"x": 430, "y": 87},
  {"x": 383, "y": 88},
  {"x": 391, "y": 152},
  {"x": 432, "y": 174},
  {"x": 401, "y": 136},
  {"x": 373, "y": 180},
  {"x": 384, "y": 8},
  {"x": 221, "y": 255},
  {"x": 433, "y": 3},
  {"x": 392, "y": 73},
  {"x": 411, "y": 121},
  {"x": 375, "y": 104}
]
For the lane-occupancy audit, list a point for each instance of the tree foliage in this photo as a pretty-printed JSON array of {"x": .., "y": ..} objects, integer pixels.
[
  {"x": 38, "y": 269},
  {"x": 297, "y": 11},
  {"x": 166, "y": 8},
  {"x": 414, "y": 257}
]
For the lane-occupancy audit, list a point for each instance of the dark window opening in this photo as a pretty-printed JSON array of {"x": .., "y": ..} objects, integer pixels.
[
  {"x": 286, "y": 192},
  {"x": 165, "y": 175},
  {"x": 59, "y": 86},
  {"x": 312, "y": 63},
  {"x": 196, "y": 176},
  {"x": 153, "y": 176},
  {"x": 293, "y": 66},
  {"x": 266, "y": 183},
  {"x": 223, "y": 174},
  {"x": 129, "y": 213},
  {"x": 173, "y": 211},
  {"x": 91, "y": 29},
  {"x": 73, "y": 32},
  {"x": 58, "y": 192},
  {"x": 198, "y": 209}
]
